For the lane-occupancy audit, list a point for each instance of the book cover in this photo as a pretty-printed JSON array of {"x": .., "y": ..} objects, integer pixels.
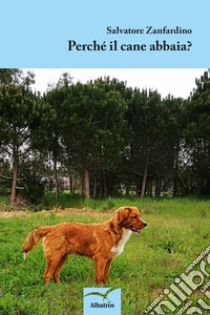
[{"x": 105, "y": 106}]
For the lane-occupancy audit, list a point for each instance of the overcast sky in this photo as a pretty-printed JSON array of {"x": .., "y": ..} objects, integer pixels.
[{"x": 178, "y": 82}]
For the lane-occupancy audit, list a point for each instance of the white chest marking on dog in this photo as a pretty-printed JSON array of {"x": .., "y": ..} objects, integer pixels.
[{"x": 120, "y": 246}]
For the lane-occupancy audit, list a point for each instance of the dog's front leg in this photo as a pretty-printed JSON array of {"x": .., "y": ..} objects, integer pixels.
[
  {"x": 107, "y": 269},
  {"x": 100, "y": 265}
]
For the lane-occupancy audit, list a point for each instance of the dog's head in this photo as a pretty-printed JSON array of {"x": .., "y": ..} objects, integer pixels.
[{"x": 129, "y": 218}]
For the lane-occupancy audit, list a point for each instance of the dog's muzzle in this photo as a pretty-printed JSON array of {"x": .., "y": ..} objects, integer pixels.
[{"x": 139, "y": 230}]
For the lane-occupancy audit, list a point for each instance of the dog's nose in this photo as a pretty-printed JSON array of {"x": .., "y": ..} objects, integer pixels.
[{"x": 145, "y": 224}]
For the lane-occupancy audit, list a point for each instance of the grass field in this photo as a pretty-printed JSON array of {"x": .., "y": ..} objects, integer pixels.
[{"x": 178, "y": 231}]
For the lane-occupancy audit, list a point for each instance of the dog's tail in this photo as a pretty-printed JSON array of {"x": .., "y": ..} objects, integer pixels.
[{"x": 33, "y": 238}]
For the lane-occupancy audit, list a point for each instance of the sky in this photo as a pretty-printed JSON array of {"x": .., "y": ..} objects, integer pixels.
[{"x": 177, "y": 82}]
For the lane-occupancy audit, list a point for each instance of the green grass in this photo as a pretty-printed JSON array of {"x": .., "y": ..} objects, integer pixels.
[
  {"x": 67, "y": 200},
  {"x": 178, "y": 231}
]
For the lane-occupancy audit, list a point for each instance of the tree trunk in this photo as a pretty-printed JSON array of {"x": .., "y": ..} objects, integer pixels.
[
  {"x": 149, "y": 189},
  {"x": 14, "y": 184},
  {"x": 82, "y": 185},
  {"x": 14, "y": 177},
  {"x": 87, "y": 183},
  {"x": 70, "y": 181},
  {"x": 175, "y": 188},
  {"x": 104, "y": 185},
  {"x": 138, "y": 186},
  {"x": 127, "y": 190},
  {"x": 158, "y": 187},
  {"x": 143, "y": 187},
  {"x": 56, "y": 179},
  {"x": 95, "y": 187}
]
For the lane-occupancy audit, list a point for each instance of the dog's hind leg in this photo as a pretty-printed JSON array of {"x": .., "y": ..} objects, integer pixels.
[
  {"x": 53, "y": 262},
  {"x": 56, "y": 274}
]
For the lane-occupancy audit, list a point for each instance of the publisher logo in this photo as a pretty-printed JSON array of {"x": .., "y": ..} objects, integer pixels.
[{"x": 103, "y": 301}]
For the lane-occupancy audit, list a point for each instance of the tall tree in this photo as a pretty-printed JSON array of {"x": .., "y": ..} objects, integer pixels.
[
  {"x": 197, "y": 134},
  {"x": 18, "y": 111},
  {"x": 94, "y": 117},
  {"x": 144, "y": 118},
  {"x": 51, "y": 136},
  {"x": 167, "y": 164}
]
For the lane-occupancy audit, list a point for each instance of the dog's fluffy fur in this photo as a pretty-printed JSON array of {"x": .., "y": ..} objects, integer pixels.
[{"x": 101, "y": 242}]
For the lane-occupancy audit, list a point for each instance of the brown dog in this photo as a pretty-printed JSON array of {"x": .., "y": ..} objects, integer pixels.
[{"x": 101, "y": 242}]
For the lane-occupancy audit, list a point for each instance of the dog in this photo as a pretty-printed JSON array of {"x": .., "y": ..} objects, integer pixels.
[{"x": 101, "y": 242}]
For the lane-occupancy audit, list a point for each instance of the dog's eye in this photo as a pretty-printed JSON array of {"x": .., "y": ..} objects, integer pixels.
[{"x": 134, "y": 217}]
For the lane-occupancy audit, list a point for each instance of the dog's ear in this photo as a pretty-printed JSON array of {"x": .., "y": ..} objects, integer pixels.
[{"x": 123, "y": 214}]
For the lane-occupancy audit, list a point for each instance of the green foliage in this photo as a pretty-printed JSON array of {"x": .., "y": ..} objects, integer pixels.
[
  {"x": 33, "y": 190},
  {"x": 19, "y": 112},
  {"x": 8, "y": 76},
  {"x": 197, "y": 135},
  {"x": 109, "y": 139},
  {"x": 94, "y": 118}
]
